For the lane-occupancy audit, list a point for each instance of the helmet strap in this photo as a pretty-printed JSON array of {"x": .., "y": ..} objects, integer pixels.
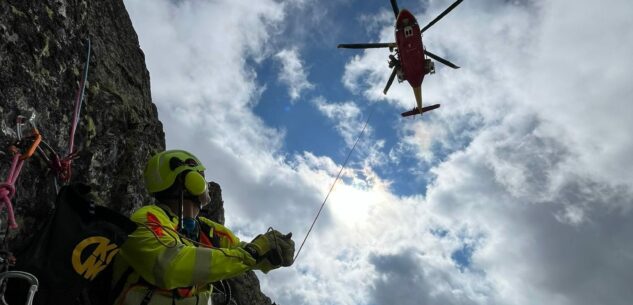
[
  {"x": 183, "y": 194},
  {"x": 181, "y": 212},
  {"x": 186, "y": 225}
]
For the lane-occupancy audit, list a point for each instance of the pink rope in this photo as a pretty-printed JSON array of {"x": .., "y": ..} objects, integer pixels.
[
  {"x": 7, "y": 202},
  {"x": 64, "y": 172},
  {"x": 66, "y": 162},
  {"x": 7, "y": 189}
]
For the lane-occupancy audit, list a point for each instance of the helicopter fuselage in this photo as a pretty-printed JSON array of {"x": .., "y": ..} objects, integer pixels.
[{"x": 410, "y": 49}]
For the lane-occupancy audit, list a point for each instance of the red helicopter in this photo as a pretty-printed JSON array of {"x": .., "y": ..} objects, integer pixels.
[{"x": 408, "y": 61}]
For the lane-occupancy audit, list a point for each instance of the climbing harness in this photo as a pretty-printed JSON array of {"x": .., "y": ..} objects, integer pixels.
[
  {"x": 334, "y": 183},
  {"x": 222, "y": 293}
]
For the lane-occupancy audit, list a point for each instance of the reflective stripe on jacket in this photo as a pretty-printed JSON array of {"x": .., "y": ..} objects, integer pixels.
[{"x": 165, "y": 260}]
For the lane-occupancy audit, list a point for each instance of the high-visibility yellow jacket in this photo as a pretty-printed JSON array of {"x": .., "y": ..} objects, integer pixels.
[{"x": 163, "y": 260}]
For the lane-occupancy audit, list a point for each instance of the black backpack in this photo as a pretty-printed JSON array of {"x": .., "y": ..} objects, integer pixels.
[{"x": 73, "y": 249}]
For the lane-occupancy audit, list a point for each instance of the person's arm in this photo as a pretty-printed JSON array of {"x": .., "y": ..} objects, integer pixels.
[
  {"x": 225, "y": 237},
  {"x": 163, "y": 260}
]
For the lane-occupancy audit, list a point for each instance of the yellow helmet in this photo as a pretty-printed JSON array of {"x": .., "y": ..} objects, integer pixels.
[{"x": 163, "y": 169}]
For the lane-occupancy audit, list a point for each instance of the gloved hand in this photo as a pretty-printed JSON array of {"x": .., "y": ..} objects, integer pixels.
[
  {"x": 271, "y": 250},
  {"x": 286, "y": 247}
]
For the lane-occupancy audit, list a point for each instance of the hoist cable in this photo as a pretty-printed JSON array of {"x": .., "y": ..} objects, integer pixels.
[{"x": 333, "y": 184}]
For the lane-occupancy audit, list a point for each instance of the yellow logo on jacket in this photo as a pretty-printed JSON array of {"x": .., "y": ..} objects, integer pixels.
[{"x": 98, "y": 260}]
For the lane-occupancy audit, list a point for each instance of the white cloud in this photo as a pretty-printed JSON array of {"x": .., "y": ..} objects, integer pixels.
[
  {"x": 292, "y": 73},
  {"x": 353, "y": 124},
  {"x": 199, "y": 78},
  {"x": 347, "y": 117},
  {"x": 532, "y": 164},
  {"x": 587, "y": 90}
]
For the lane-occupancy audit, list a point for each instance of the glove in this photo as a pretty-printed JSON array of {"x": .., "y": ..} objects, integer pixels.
[
  {"x": 263, "y": 250},
  {"x": 286, "y": 247},
  {"x": 271, "y": 250}
]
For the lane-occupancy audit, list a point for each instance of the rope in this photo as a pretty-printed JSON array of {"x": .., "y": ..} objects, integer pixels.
[
  {"x": 7, "y": 189},
  {"x": 66, "y": 161},
  {"x": 333, "y": 184}
]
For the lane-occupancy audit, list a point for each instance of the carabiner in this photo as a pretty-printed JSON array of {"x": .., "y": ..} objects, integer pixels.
[
  {"x": 36, "y": 142},
  {"x": 25, "y": 276},
  {"x": 22, "y": 121}
]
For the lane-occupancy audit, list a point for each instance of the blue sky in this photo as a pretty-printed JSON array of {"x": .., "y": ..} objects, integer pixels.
[{"x": 516, "y": 191}]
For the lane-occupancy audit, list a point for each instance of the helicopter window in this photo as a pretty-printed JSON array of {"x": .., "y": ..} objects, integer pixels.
[{"x": 408, "y": 31}]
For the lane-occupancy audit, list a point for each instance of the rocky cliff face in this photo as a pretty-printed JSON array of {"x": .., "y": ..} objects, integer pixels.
[{"x": 42, "y": 52}]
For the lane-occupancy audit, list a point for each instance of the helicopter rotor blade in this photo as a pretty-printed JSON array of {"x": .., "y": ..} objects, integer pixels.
[
  {"x": 366, "y": 45},
  {"x": 440, "y": 16},
  {"x": 391, "y": 78},
  {"x": 442, "y": 60},
  {"x": 394, "y": 5}
]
